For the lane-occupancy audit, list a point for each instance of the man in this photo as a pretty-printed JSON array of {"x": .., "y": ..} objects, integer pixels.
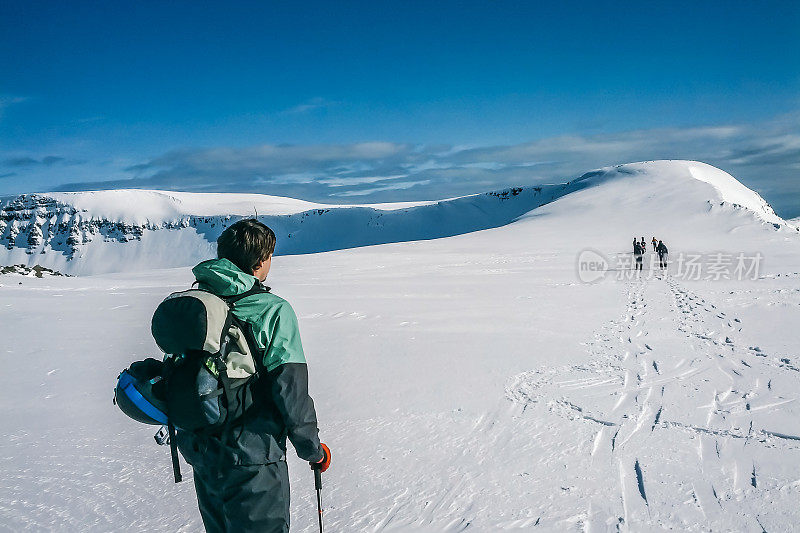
[
  {"x": 241, "y": 479},
  {"x": 655, "y": 244},
  {"x": 637, "y": 254},
  {"x": 662, "y": 255}
]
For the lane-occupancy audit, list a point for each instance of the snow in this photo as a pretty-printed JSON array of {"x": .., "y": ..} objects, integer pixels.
[
  {"x": 466, "y": 383},
  {"x": 131, "y": 230},
  {"x": 137, "y": 206},
  {"x": 732, "y": 190}
]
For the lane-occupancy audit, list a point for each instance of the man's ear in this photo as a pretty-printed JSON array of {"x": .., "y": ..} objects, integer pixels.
[{"x": 260, "y": 264}]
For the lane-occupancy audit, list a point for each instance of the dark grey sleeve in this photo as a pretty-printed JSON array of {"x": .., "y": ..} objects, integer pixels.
[{"x": 289, "y": 389}]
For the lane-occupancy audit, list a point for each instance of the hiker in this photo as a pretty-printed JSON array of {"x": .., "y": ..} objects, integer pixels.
[
  {"x": 655, "y": 244},
  {"x": 241, "y": 479},
  {"x": 644, "y": 245},
  {"x": 637, "y": 254},
  {"x": 662, "y": 255}
]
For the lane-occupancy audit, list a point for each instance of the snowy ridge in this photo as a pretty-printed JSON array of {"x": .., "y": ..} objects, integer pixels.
[
  {"x": 140, "y": 207},
  {"x": 672, "y": 173},
  {"x": 62, "y": 232},
  {"x": 733, "y": 191},
  {"x": 126, "y": 230}
]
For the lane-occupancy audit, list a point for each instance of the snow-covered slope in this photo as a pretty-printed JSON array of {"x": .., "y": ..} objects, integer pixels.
[
  {"x": 128, "y": 230},
  {"x": 685, "y": 203},
  {"x": 470, "y": 383}
]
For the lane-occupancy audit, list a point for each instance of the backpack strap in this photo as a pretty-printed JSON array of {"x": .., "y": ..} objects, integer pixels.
[
  {"x": 257, "y": 288},
  {"x": 223, "y": 340},
  {"x": 244, "y": 327},
  {"x": 173, "y": 450},
  {"x": 258, "y": 356},
  {"x": 250, "y": 339}
]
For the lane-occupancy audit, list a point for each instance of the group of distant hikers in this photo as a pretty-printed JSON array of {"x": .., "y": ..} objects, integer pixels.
[{"x": 640, "y": 247}]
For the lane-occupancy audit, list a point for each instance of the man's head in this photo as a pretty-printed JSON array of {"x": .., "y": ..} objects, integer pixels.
[{"x": 249, "y": 245}]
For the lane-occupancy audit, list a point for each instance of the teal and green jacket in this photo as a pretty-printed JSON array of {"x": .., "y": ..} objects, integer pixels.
[
  {"x": 283, "y": 407},
  {"x": 271, "y": 317}
]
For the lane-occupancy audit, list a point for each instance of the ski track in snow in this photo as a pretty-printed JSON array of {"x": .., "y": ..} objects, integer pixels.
[
  {"x": 669, "y": 421},
  {"x": 698, "y": 462}
]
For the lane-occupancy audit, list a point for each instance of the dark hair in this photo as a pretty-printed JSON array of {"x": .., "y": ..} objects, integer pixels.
[{"x": 246, "y": 243}]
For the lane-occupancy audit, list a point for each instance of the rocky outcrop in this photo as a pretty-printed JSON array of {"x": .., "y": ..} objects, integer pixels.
[
  {"x": 41, "y": 224},
  {"x": 37, "y": 271}
]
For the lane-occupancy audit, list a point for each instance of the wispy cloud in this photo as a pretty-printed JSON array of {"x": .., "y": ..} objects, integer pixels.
[
  {"x": 47, "y": 161},
  {"x": 403, "y": 185},
  {"x": 313, "y": 104},
  {"x": 347, "y": 182},
  {"x": 30, "y": 161},
  {"x": 760, "y": 154}
]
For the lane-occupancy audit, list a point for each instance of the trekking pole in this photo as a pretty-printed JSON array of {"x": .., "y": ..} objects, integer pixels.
[{"x": 318, "y": 486}]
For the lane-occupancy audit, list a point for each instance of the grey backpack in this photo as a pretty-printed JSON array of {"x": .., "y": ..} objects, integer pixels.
[
  {"x": 203, "y": 384},
  {"x": 210, "y": 356}
]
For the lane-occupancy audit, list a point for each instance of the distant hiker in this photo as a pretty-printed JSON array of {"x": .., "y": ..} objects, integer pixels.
[
  {"x": 655, "y": 244},
  {"x": 637, "y": 254},
  {"x": 241, "y": 478},
  {"x": 644, "y": 245},
  {"x": 662, "y": 255}
]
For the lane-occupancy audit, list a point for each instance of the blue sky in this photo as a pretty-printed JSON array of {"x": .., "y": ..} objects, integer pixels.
[{"x": 379, "y": 101}]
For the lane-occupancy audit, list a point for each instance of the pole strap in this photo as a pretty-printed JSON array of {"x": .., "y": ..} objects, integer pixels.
[{"x": 173, "y": 448}]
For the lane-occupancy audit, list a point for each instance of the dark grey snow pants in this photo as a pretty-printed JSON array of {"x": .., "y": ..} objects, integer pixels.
[{"x": 244, "y": 498}]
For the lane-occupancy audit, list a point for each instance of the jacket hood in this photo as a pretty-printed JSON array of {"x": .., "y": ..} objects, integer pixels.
[{"x": 222, "y": 277}]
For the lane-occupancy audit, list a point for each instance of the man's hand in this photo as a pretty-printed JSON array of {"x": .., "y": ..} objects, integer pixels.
[{"x": 325, "y": 462}]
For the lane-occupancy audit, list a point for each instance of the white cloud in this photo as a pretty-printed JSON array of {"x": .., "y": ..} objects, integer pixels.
[
  {"x": 309, "y": 106},
  {"x": 393, "y": 187},
  {"x": 343, "y": 182},
  {"x": 766, "y": 154}
]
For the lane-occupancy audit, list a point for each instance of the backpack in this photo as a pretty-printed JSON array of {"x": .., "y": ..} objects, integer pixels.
[{"x": 203, "y": 384}]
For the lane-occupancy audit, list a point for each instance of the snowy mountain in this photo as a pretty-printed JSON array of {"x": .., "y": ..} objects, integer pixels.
[
  {"x": 128, "y": 230},
  {"x": 125, "y": 230},
  {"x": 472, "y": 383}
]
